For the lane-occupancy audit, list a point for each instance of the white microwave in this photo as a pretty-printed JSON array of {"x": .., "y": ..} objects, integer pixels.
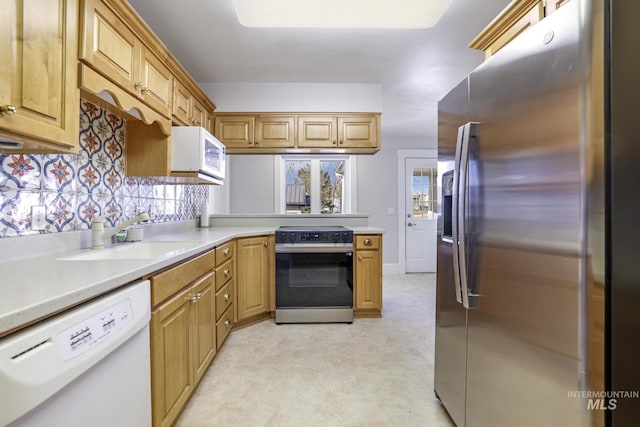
[{"x": 194, "y": 149}]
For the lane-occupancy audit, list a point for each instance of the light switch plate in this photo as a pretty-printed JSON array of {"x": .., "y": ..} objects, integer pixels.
[{"x": 38, "y": 217}]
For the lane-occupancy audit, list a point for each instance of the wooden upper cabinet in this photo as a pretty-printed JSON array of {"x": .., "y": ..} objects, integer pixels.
[
  {"x": 187, "y": 110},
  {"x": 39, "y": 96},
  {"x": 274, "y": 131},
  {"x": 198, "y": 113},
  {"x": 109, "y": 45},
  {"x": 245, "y": 133},
  {"x": 255, "y": 131},
  {"x": 342, "y": 132},
  {"x": 317, "y": 131},
  {"x": 357, "y": 132},
  {"x": 235, "y": 131},
  {"x": 116, "y": 52},
  {"x": 513, "y": 20},
  {"x": 157, "y": 83}
]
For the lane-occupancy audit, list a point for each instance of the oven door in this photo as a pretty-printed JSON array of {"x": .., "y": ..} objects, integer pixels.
[{"x": 309, "y": 276}]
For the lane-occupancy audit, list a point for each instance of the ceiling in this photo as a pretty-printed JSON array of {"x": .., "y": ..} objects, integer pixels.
[{"x": 416, "y": 68}]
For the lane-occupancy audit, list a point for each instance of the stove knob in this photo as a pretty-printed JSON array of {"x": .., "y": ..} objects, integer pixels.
[
  {"x": 336, "y": 237},
  {"x": 345, "y": 237},
  {"x": 282, "y": 237},
  {"x": 292, "y": 237}
]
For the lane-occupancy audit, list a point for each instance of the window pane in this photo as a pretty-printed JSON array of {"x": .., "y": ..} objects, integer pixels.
[
  {"x": 424, "y": 193},
  {"x": 332, "y": 186},
  {"x": 298, "y": 190}
]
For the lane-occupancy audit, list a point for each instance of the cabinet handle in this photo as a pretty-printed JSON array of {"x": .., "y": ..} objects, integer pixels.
[
  {"x": 266, "y": 243},
  {"x": 192, "y": 298},
  {"x": 256, "y": 142},
  {"x": 227, "y": 323},
  {"x": 7, "y": 110},
  {"x": 226, "y": 271},
  {"x": 250, "y": 142},
  {"x": 359, "y": 258},
  {"x": 227, "y": 297},
  {"x": 198, "y": 296},
  {"x": 334, "y": 142},
  {"x": 138, "y": 86},
  {"x": 367, "y": 242},
  {"x": 341, "y": 142},
  {"x": 145, "y": 90},
  {"x": 226, "y": 251}
]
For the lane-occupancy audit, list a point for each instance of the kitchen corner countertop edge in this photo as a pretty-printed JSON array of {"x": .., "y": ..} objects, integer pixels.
[{"x": 39, "y": 287}]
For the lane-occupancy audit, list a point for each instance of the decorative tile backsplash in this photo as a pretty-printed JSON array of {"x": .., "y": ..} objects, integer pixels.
[{"x": 75, "y": 188}]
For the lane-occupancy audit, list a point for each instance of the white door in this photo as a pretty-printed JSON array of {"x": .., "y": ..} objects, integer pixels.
[{"x": 420, "y": 214}]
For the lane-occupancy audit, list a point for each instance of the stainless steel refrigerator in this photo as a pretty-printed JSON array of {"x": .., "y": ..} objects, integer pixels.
[{"x": 538, "y": 277}]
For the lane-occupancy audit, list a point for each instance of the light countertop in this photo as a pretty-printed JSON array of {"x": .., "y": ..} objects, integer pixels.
[{"x": 37, "y": 287}]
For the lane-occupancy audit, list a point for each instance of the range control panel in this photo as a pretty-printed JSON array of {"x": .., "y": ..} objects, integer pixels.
[
  {"x": 314, "y": 235},
  {"x": 82, "y": 336}
]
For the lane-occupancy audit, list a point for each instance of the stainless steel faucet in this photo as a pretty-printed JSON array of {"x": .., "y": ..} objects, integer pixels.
[{"x": 99, "y": 234}]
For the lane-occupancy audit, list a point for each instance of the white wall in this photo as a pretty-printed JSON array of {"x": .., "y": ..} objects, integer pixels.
[
  {"x": 301, "y": 97},
  {"x": 251, "y": 177}
]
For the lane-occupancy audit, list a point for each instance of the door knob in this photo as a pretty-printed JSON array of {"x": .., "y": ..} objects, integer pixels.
[{"x": 410, "y": 224}]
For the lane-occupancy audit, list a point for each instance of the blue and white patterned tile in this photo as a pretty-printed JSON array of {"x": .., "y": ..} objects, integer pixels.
[
  {"x": 112, "y": 180},
  {"x": 15, "y": 213},
  {"x": 156, "y": 210},
  {"x": 88, "y": 209},
  {"x": 59, "y": 174},
  {"x": 131, "y": 186},
  {"x": 61, "y": 211},
  {"x": 89, "y": 178},
  {"x": 112, "y": 212},
  {"x": 158, "y": 191},
  {"x": 23, "y": 169},
  {"x": 130, "y": 207}
]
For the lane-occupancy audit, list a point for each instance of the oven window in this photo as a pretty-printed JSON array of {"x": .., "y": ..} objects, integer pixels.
[{"x": 305, "y": 280}]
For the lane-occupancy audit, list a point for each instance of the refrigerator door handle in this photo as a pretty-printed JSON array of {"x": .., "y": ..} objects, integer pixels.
[
  {"x": 454, "y": 213},
  {"x": 469, "y": 129}
]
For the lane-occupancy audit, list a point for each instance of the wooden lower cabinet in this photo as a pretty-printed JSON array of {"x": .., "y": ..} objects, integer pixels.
[
  {"x": 368, "y": 275},
  {"x": 255, "y": 274},
  {"x": 183, "y": 345}
]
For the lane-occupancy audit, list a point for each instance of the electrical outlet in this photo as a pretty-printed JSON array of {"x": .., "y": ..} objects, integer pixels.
[{"x": 38, "y": 217}]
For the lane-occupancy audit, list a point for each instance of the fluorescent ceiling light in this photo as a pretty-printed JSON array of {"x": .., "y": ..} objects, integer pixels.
[{"x": 340, "y": 13}]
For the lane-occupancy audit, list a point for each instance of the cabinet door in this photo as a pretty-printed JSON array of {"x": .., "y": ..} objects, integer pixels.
[
  {"x": 171, "y": 358},
  {"x": 39, "y": 73},
  {"x": 110, "y": 46},
  {"x": 204, "y": 325},
  {"x": 157, "y": 83},
  {"x": 235, "y": 131},
  {"x": 357, "y": 132},
  {"x": 317, "y": 132},
  {"x": 181, "y": 103},
  {"x": 368, "y": 272},
  {"x": 252, "y": 277},
  {"x": 275, "y": 132},
  {"x": 198, "y": 113}
]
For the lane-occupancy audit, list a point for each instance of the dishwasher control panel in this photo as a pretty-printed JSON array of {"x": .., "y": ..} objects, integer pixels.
[{"x": 84, "y": 335}]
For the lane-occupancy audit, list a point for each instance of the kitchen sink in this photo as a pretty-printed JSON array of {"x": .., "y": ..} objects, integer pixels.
[{"x": 129, "y": 251}]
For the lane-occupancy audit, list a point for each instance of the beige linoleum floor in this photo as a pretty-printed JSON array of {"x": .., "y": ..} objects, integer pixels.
[{"x": 372, "y": 373}]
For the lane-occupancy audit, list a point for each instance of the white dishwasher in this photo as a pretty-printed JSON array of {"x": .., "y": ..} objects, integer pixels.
[{"x": 88, "y": 366}]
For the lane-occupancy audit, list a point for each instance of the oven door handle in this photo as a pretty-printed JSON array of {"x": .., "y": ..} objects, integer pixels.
[{"x": 314, "y": 249}]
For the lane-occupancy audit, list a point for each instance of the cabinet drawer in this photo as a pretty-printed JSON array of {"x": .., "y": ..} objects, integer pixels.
[
  {"x": 224, "y": 273},
  {"x": 367, "y": 242},
  {"x": 224, "y": 298},
  {"x": 224, "y": 325},
  {"x": 165, "y": 284},
  {"x": 224, "y": 253}
]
